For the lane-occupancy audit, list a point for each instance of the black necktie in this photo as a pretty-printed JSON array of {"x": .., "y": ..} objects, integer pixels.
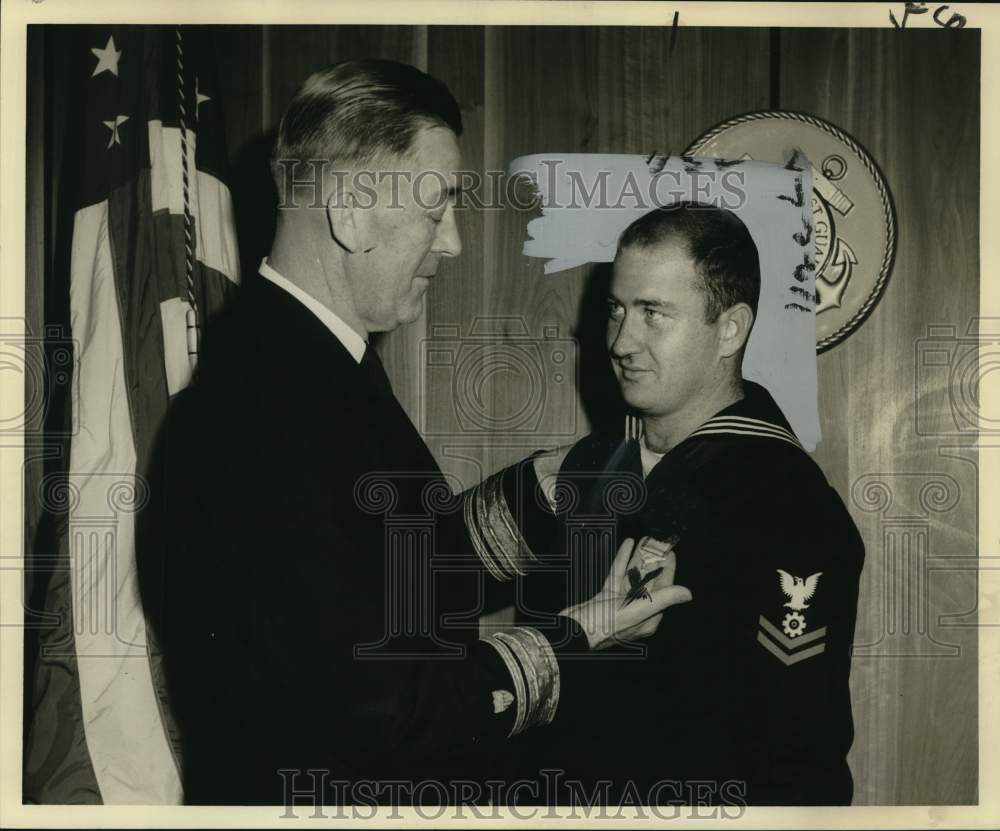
[{"x": 375, "y": 372}]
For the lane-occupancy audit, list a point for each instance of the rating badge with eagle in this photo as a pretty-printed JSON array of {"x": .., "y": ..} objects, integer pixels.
[
  {"x": 792, "y": 643},
  {"x": 798, "y": 591}
]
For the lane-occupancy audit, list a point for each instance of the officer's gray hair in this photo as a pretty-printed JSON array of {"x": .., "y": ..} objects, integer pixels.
[{"x": 361, "y": 111}]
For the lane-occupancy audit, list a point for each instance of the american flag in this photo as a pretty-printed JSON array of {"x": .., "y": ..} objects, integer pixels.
[{"x": 153, "y": 258}]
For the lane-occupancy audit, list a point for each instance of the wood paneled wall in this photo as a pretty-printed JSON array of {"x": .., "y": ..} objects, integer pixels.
[
  {"x": 913, "y": 102},
  {"x": 910, "y": 98}
]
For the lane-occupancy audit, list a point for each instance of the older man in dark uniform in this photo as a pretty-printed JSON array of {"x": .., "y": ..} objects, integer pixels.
[
  {"x": 744, "y": 697},
  {"x": 301, "y": 629}
]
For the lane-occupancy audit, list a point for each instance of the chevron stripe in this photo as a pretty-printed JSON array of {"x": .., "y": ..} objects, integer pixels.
[
  {"x": 786, "y": 659},
  {"x": 790, "y": 643}
]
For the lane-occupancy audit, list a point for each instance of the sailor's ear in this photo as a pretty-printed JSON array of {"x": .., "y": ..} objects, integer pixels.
[{"x": 735, "y": 324}]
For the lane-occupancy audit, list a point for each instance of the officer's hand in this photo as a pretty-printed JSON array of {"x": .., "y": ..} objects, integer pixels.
[{"x": 607, "y": 618}]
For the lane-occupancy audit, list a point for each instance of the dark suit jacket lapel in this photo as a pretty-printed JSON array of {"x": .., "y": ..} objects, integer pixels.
[{"x": 302, "y": 338}]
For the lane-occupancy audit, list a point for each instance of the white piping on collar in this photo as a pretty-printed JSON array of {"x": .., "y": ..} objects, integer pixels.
[
  {"x": 745, "y": 426},
  {"x": 720, "y": 425}
]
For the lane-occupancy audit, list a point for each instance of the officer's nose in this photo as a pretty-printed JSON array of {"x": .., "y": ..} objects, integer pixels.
[{"x": 448, "y": 242}]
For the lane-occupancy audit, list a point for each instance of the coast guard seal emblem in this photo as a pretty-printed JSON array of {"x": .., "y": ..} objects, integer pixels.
[{"x": 854, "y": 218}]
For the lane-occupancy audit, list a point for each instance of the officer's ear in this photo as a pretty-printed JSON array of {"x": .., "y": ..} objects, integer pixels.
[
  {"x": 341, "y": 207},
  {"x": 345, "y": 218},
  {"x": 735, "y": 324}
]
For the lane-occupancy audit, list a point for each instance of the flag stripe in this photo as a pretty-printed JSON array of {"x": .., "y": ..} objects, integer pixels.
[
  {"x": 173, "y": 322},
  {"x": 211, "y": 203},
  {"x": 57, "y": 765},
  {"x": 132, "y": 760}
]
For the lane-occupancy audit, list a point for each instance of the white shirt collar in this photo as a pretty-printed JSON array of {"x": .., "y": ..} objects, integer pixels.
[
  {"x": 352, "y": 341},
  {"x": 649, "y": 458}
]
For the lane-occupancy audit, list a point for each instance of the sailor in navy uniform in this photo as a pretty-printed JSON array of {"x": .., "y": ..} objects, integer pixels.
[{"x": 743, "y": 698}]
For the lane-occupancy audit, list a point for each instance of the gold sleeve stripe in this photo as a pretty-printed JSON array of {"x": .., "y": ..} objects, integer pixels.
[
  {"x": 520, "y": 548},
  {"x": 530, "y": 670},
  {"x": 495, "y": 535},
  {"x": 551, "y": 703},
  {"x": 477, "y": 539},
  {"x": 534, "y": 672},
  {"x": 488, "y": 535},
  {"x": 517, "y": 680}
]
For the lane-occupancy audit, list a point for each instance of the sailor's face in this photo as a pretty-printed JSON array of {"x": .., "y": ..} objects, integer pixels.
[{"x": 663, "y": 352}]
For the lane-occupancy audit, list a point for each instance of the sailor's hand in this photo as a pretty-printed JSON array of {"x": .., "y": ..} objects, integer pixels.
[{"x": 619, "y": 612}]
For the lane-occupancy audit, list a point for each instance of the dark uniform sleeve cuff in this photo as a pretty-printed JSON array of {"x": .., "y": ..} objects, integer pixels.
[
  {"x": 533, "y": 671},
  {"x": 567, "y": 638}
]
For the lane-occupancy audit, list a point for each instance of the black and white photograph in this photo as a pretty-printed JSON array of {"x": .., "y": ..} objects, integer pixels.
[{"x": 468, "y": 412}]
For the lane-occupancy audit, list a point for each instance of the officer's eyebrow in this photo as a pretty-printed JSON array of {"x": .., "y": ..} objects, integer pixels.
[{"x": 438, "y": 203}]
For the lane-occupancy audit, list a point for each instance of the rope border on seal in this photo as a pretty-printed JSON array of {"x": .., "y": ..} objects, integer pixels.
[{"x": 888, "y": 207}]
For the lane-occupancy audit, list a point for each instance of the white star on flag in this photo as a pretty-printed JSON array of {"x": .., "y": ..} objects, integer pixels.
[
  {"x": 113, "y": 127},
  {"x": 107, "y": 58},
  {"x": 199, "y": 98}
]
